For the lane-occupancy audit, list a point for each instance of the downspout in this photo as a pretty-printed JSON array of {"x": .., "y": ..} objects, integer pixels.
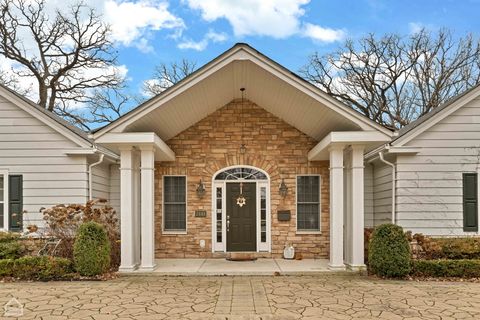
[
  {"x": 394, "y": 216},
  {"x": 90, "y": 183}
]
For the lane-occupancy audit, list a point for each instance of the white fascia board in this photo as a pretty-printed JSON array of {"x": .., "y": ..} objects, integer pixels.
[
  {"x": 87, "y": 152},
  {"x": 132, "y": 139},
  {"x": 343, "y": 138},
  {"x": 403, "y": 150}
]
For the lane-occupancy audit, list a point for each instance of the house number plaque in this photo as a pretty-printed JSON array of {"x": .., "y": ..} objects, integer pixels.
[{"x": 200, "y": 213}]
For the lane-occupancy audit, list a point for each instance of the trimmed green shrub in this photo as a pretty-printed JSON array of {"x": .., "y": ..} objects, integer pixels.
[
  {"x": 6, "y": 267},
  {"x": 8, "y": 236},
  {"x": 11, "y": 250},
  {"x": 91, "y": 251},
  {"x": 460, "y": 248},
  {"x": 447, "y": 268},
  {"x": 389, "y": 252},
  {"x": 36, "y": 268}
]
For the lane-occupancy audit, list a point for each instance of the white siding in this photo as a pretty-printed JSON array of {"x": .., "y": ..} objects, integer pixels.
[
  {"x": 368, "y": 198},
  {"x": 429, "y": 184},
  {"x": 34, "y": 150},
  {"x": 115, "y": 187},
  {"x": 382, "y": 193},
  {"x": 101, "y": 181}
]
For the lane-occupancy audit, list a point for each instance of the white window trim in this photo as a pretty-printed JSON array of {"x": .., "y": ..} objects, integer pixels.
[
  {"x": 319, "y": 231},
  {"x": 4, "y": 173},
  {"x": 174, "y": 232}
]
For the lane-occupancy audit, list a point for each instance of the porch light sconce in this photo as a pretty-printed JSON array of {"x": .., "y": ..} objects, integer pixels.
[
  {"x": 201, "y": 189},
  {"x": 243, "y": 149},
  {"x": 283, "y": 190}
]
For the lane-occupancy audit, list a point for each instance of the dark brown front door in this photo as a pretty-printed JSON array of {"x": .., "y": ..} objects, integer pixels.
[{"x": 241, "y": 221}]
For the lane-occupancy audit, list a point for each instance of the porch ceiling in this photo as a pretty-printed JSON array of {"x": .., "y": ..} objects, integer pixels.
[{"x": 262, "y": 87}]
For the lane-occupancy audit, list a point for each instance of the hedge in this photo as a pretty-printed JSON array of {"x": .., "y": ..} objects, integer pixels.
[
  {"x": 36, "y": 268},
  {"x": 389, "y": 252},
  {"x": 11, "y": 250},
  {"x": 91, "y": 251},
  {"x": 447, "y": 268}
]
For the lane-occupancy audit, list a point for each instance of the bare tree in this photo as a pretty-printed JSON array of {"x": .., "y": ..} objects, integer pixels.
[
  {"x": 166, "y": 75},
  {"x": 68, "y": 53},
  {"x": 393, "y": 80}
]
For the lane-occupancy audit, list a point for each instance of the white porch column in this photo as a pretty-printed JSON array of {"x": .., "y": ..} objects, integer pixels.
[
  {"x": 336, "y": 207},
  {"x": 127, "y": 221},
  {"x": 147, "y": 208},
  {"x": 357, "y": 215},
  {"x": 136, "y": 206}
]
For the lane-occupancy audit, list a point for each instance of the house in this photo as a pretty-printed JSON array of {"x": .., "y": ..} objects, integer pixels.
[
  {"x": 242, "y": 155},
  {"x": 245, "y": 156},
  {"x": 45, "y": 161},
  {"x": 427, "y": 176}
]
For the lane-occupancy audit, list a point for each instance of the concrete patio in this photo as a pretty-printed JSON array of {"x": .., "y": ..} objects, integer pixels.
[{"x": 222, "y": 266}]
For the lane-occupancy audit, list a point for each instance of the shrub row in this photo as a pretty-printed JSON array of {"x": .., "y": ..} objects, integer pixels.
[
  {"x": 36, "y": 268},
  {"x": 447, "y": 268},
  {"x": 11, "y": 250}
]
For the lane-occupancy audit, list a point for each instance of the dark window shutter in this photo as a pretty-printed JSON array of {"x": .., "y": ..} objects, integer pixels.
[
  {"x": 470, "y": 202},
  {"x": 15, "y": 202}
]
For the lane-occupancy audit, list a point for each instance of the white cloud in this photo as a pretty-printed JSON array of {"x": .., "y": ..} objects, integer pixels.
[
  {"x": 132, "y": 21},
  {"x": 274, "y": 18},
  {"x": 415, "y": 27},
  {"x": 201, "y": 45},
  {"x": 322, "y": 34}
]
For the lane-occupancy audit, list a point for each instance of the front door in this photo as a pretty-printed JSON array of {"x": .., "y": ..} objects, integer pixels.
[{"x": 241, "y": 221}]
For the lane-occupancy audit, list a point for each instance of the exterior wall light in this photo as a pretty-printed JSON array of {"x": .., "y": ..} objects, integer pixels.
[
  {"x": 283, "y": 190},
  {"x": 201, "y": 189}
]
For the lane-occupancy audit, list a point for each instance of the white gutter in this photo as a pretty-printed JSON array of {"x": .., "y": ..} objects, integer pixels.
[
  {"x": 90, "y": 183},
  {"x": 380, "y": 155}
]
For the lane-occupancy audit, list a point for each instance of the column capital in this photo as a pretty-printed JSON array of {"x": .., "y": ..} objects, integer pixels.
[
  {"x": 357, "y": 147},
  {"x": 146, "y": 147},
  {"x": 336, "y": 147},
  {"x": 125, "y": 148}
]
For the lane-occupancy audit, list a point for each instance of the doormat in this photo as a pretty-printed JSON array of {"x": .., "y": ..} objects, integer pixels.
[{"x": 240, "y": 256}]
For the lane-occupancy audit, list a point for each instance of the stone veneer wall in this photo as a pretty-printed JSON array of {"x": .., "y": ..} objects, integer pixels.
[{"x": 212, "y": 144}]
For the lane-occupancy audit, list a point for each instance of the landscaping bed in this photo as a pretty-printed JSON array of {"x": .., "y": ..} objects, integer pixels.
[
  {"x": 391, "y": 253},
  {"x": 85, "y": 246}
]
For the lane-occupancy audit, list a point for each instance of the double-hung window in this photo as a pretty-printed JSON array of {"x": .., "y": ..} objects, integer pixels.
[
  {"x": 308, "y": 203},
  {"x": 175, "y": 204}
]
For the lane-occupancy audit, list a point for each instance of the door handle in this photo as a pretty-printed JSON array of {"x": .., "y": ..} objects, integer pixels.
[{"x": 228, "y": 223}]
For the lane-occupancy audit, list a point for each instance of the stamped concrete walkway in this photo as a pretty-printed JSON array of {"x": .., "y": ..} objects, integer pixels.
[{"x": 324, "y": 296}]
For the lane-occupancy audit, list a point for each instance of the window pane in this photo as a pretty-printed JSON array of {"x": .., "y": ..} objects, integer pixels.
[
  {"x": 1, "y": 215},
  {"x": 174, "y": 189},
  {"x": 308, "y": 217},
  {"x": 175, "y": 215},
  {"x": 1, "y": 188},
  {"x": 308, "y": 188},
  {"x": 308, "y": 203}
]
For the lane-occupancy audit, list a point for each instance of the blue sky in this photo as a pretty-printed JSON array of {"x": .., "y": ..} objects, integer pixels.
[{"x": 199, "y": 30}]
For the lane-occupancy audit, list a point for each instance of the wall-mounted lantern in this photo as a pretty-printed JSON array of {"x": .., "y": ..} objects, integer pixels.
[
  {"x": 283, "y": 190},
  {"x": 201, "y": 189}
]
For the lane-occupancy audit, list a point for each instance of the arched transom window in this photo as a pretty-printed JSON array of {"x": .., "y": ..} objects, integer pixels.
[{"x": 241, "y": 173}]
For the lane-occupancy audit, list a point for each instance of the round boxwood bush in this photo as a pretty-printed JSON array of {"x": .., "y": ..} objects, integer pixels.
[
  {"x": 91, "y": 251},
  {"x": 389, "y": 252}
]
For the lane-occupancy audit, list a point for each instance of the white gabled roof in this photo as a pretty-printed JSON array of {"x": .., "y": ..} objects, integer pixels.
[
  {"x": 267, "y": 84},
  {"x": 66, "y": 129},
  {"x": 415, "y": 128}
]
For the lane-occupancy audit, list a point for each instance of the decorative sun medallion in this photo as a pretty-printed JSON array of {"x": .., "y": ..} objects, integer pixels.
[{"x": 241, "y": 201}]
